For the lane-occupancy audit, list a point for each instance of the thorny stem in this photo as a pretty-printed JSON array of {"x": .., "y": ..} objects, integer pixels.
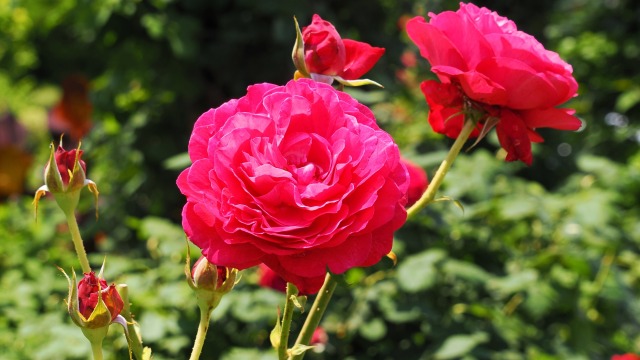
[
  {"x": 203, "y": 326},
  {"x": 292, "y": 291},
  {"x": 315, "y": 314}
]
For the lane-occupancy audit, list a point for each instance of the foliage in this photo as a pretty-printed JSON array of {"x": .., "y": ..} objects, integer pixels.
[{"x": 542, "y": 263}]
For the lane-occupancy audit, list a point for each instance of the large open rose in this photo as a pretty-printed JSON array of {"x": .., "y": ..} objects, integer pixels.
[
  {"x": 298, "y": 177},
  {"x": 482, "y": 56}
]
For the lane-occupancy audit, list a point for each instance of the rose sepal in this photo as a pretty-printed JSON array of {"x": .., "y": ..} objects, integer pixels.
[
  {"x": 298, "y": 54},
  {"x": 357, "y": 82}
]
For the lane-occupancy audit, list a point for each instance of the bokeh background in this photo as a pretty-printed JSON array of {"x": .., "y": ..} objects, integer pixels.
[{"x": 543, "y": 263}]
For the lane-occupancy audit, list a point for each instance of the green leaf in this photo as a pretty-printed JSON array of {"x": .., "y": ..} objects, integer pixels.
[
  {"x": 418, "y": 272},
  {"x": 458, "y": 345},
  {"x": 466, "y": 270},
  {"x": 373, "y": 330}
]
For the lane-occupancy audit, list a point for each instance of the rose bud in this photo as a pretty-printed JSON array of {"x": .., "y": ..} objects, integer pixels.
[
  {"x": 321, "y": 54},
  {"x": 92, "y": 287},
  {"x": 210, "y": 282},
  {"x": 64, "y": 177},
  {"x": 93, "y": 304}
]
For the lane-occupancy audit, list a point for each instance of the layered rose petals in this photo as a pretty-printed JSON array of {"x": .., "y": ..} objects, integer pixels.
[
  {"x": 297, "y": 177},
  {"x": 483, "y": 57}
]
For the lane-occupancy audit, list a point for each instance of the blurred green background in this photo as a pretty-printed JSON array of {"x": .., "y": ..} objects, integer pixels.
[{"x": 542, "y": 264}]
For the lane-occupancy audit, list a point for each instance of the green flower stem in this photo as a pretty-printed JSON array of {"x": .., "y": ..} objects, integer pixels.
[
  {"x": 95, "y": 337},
  {"x": 77, "y": 241},
  {"x": 315, "y": 314},
  {"x": 96, "y": 348},
  {"x": 134, "y": 337},
  {"x": 292, "y": 292},
  {"x": 203, "y": 326},
  {"x": 435, "y": 183}
]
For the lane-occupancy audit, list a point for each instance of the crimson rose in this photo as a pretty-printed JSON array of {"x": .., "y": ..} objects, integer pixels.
[
  {"x": 503, "y": 72},
  {"x": 298, "y": 177}
]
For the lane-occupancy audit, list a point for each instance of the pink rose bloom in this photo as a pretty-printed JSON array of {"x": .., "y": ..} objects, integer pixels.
[
  {"x": 504, "y": 72},
  {"x": 298, "y": 177},
  {"x": 625, "y": 357},
  {"x": 418, "y": 182},
  {"x": 326, "y": 53}
]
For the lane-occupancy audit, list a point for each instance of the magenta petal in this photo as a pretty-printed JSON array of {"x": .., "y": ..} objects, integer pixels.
[
  {"x": 434, "y": 45},
  {"x": 525, "y": 87},
  {"x": 514, "y": 138},
  {"x": 360, "y": 58},
  {"x": 561, "y": 119},
  {"x": 481, "y": 88}
]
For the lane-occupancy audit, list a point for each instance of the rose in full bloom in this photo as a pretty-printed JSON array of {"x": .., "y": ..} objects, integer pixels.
[
  {"x": 418, "y": 182},
  {"x": 88, "y": 289},
  {"x": 298, "y": 177},
  {"x": 326, "y": 53},
  {"x": 505, "y": 73}
]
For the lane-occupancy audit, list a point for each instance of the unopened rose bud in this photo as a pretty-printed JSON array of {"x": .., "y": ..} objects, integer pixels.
[
  {"x": 64, "y": 177},
  {"x": 92, "y": 304},
  {"x": 208, "y": 276},
  {"x": 92, "y": 287},
  {"x": 210, "y": 282}
]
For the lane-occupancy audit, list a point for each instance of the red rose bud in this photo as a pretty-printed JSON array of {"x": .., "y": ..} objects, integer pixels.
[
  {"x": 90, "y": 288},
  {"x": 322, "y": 54},
  {"x": 64, "y": 176},
  {"x": 418, "y": 182},
  {"x": 92, "y": 304},
  {"x": 65, "y": 171}
]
